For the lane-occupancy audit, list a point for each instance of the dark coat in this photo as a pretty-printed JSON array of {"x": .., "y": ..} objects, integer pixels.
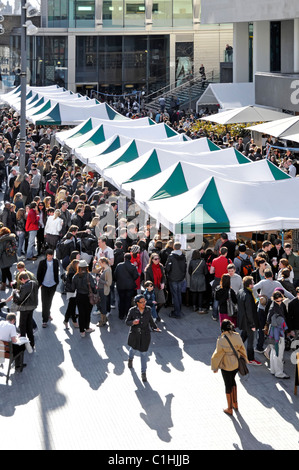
[
  {"x": 198, "y": 279},
  {"x": 247, "y": 311},
  {"x": 292, "y": 317},
  {"x": 42, "y": 269},
  {"x": 125, "y": 275},
  {"x": 6, "y": 259},
  {"x": 222, "y": 297},
  {"x": 149, "y": 276},
  {"x": 176, "y": 267},
  {"x": 140, "y": 335},
  {"x": 27, "y": 296}
]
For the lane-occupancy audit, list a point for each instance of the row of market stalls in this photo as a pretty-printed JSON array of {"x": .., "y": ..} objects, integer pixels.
[{"x": 186, "y": 185}]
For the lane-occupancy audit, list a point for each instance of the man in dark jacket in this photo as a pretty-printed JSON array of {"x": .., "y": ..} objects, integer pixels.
[
  {"x": 247, "y": 317},
  {"x": 175, "y": 269},
  {"x": 125, "y": 275},
  {"x": 27, "y": 300},
  {"x": 48, "y": 279}
]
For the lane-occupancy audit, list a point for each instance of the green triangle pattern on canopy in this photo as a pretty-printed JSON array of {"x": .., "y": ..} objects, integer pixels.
[
  {"x": 150, "y": 168},
  {"x": 44, "y": 108},
  {"x": 130, "y": 154},
  {"x": 113, "y": 114},
  {"x": 175, "y": 185},
  {"x": 38, "y": 103},
  {"x": 241, "y": 158},
  {"x": 29, "y": 94},
  {"x": 52, "y": 119},
  {"x": 214, "y": 218},
  {"x": 277, "y": 173},
  {"x": 84, "y": 129},
  {"x": 114, "y": 146},
  {"x": 212, "y": 146},
  {"x": 169, "y": 132},
  {"x": 97, "y": 138},
  {"x": 36, "y": 98}
]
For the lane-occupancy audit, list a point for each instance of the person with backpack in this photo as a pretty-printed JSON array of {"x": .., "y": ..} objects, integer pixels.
[
  {"x": 244, "y": 263},
  {"x": 8, "y": 255}
]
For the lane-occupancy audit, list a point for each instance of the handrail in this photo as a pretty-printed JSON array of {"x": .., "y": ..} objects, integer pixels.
[{"x": 169, "y": 89}]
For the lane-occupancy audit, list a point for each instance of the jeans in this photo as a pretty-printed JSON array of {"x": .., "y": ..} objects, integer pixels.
[
  {"x": 249, "y": 336},
  {"x": 176, "y": 294},
  {"x": 31, "y": 242},
  {"x": 143, "y": 358},
  {"x": 215, "y": 302},
  {"x": 21, "y": 240}
]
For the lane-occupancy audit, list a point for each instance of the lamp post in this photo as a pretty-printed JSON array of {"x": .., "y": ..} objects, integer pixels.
[
  {"x": 23, "y": 77},
  {"x": 26, "y": 28}
]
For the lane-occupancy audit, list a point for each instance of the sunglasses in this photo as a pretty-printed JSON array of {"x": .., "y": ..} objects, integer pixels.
[{"x": 156, "y": 259}]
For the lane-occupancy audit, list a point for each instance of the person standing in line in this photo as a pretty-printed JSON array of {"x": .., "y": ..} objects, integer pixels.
[
  {"x": 247, "y": 317},
  {"x": 198, "y": 271},
  {"x": 32, "y": 227},
  {"x": 48, "y": 279},
  {"x": 223, "y": 292},
  {"x": 224, "y": 359},
  {"x": 125, "y": 276},
  {"x": 80, "y": 283},
  {"x": 218, "y": 267},
  {"x": 140, "y": 320},
  {"x": 175, "y": 269},
  {"x": 71, "y": 294}
]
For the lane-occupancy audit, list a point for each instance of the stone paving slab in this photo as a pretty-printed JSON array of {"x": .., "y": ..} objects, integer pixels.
[{"x": 78, "y": 394}]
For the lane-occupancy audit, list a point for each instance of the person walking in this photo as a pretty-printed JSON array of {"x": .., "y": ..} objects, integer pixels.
[
  {"x": 224, "y": 359},
  {"x": 27, "y": 300},
  {"x": 71, "y": 294},
  {"x": 140, "y": 320},
  {"x": 8, "y": 255},
  {"x": 104, "y": 281},
  {"x": 48, "y": 280},
  {"x": 82, "y": 283}
]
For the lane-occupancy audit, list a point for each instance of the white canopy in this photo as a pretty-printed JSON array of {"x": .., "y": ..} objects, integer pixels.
[
  {"x": 279, "y": 128},
  {"x": 245, "y": 114},
  {"x": 227, "y": 95}
]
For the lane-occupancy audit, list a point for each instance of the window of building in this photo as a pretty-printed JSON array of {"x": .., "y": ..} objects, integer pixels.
[
  {"x": 275, "y": 46},
  {"x": 162, "y": 13}
]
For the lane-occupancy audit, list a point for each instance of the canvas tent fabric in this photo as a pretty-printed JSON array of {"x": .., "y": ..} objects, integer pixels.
[
  {"x": 227, "y": 95},
  {"x": 157, "y": 160},
  {"x": 244, "y": 115},
  {"x": 222, "y": 205},
  {"x": 279, "y": 128},
  {"x": 183, "y": 176}
]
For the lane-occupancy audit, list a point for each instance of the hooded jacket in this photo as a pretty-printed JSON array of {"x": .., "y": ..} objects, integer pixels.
[{"x": 176, "y": 266}]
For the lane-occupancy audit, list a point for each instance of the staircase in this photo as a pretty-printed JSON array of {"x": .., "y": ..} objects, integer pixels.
[{"x": 187, "y": 93}]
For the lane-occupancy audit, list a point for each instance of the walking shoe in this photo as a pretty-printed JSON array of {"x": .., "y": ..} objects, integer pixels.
[
  {"x": 259, "y": 351},
  {"x": 255, "y": 363},
  {"x": 130, "y": 363},
  {"x": 44, "y": 325},
  {"x": 143, "y": 377}
]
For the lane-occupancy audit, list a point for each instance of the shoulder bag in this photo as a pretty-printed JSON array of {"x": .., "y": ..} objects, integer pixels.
[
  {"x": 242, "y": 367},
  {"x": 93, "y": 298},
  {"x": 232, "y": 308}
]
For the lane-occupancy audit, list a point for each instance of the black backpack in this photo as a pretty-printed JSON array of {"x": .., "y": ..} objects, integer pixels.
[
  {"x": 62, "y": 249},
  {"x": 246, "y": 266},
  {"x": 11, "y": 248}
]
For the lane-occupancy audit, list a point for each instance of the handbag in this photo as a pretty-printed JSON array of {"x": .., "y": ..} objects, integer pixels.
[
  {"x": 232, "y": 309},
  {"x": 242, "y": 366},
  {"x": 93, "y": 298}
]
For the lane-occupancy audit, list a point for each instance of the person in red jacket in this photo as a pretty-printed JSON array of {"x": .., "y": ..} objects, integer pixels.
[{"x": 32, "y": 228}]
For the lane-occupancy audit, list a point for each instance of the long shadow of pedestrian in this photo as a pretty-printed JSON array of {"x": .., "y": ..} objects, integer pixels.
[
  {"x": 247, "y": 439},
  {"x": 157, "y": 414}
]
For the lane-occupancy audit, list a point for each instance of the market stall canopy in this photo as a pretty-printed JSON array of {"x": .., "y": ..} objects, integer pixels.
[
  {"x": 227, "y": 95},
  {"x": 221, "y": 205},
  {"x": 183, "y": 176},
  {"x": 280, "y": 128},
  {"x": 244, "y": 115}
]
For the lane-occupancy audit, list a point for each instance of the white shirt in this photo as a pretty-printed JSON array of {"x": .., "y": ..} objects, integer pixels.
[
  {"x": 7, "y": 331},
  {"x": 107, "y": 253}
]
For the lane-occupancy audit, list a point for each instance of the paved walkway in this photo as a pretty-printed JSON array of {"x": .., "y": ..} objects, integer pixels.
[{"x": 77, "y": 393}]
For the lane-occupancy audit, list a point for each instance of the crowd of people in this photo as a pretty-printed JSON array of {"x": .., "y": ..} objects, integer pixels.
[{"x": 64, "y": 218}]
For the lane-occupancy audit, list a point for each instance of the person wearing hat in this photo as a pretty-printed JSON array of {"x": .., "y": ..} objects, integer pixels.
[
  {"x": 48, "y": 279},
  {"x": 140, "y": 321},
  {"x": 82, "y": 282}
]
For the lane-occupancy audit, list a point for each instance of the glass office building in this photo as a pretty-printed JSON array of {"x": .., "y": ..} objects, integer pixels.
[{"x": 113, "y": 46}]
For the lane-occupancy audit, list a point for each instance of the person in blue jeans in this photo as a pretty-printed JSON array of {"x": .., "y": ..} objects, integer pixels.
[
  {"x": 150, "y": 298},
  {"x": 175, "y": 269}
]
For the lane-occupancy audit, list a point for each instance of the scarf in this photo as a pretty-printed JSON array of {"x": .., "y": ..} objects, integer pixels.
[{"x": 157, "y": 273}]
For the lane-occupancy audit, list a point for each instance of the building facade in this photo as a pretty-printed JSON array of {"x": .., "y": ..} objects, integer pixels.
[
  {"x": 114, "y": 46},
  {"x": 265, "y": 45}
]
